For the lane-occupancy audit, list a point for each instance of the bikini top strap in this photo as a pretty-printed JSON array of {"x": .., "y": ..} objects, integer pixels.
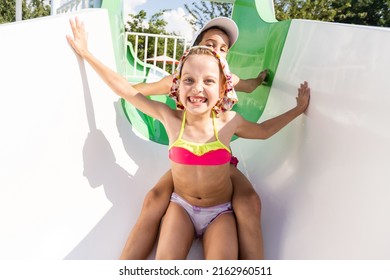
[
  {"x": 182, "y": 125},
  {"x": 184, "y": 121},
  {"x": 215, "y": 127}
]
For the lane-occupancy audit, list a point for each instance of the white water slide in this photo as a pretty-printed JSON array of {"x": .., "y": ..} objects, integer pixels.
[{"x": 74, "y": 174}]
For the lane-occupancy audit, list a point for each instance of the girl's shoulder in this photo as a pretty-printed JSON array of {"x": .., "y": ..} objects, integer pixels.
[
  {"x": 229, "y": 116},
  {"x": 231, "y": 119},
  {"x": 175, "y": 115},
  {"x": 228, "y": 124},
  {"x": 172, "y": 123}
]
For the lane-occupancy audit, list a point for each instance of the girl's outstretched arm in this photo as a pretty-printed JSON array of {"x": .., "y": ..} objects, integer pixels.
[
  {"x": 266, "y": 129},
  {"x": 160, "y": 87},
  {"x": 115, "y": 81},
  {"x": 249, "y": 85}
]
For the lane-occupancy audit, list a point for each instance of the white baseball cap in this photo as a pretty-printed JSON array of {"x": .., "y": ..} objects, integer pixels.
[{"x": 224, "y": 23}]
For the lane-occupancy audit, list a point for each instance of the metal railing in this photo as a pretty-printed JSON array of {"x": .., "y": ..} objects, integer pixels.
[
  {"x": 66, "y": 6},
  {"x": 155, "y": 66},
  {"x": 139, "y": 68}
]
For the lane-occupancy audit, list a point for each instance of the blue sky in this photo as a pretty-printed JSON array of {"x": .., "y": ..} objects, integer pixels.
[
  {"x": 153, "y": 6},
  {"x": 175, "y": 18}
]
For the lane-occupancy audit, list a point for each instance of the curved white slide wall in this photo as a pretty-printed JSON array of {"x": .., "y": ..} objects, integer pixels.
[
  {"x": 324, "y": 180},
  {"x": 73, "y": 174}
]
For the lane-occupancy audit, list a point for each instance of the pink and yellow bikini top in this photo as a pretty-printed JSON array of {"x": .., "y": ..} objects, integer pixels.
[{"x": 212, "y": 153}]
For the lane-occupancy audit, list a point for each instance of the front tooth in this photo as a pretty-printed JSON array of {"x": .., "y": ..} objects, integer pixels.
[{"x": 196, "y": 99}]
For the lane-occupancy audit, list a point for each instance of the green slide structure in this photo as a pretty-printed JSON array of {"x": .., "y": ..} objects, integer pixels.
[
  {"x": 259, "y": 46},
  {"x": 81, "y": 168}
]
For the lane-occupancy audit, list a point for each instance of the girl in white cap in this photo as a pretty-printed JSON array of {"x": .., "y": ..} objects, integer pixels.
[
  {"x": 220, "y": 34},
  {"x": 199, "y": 139}
]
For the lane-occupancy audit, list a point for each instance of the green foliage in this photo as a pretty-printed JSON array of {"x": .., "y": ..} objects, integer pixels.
[
  {"x": 30, "y": 9},
  {"x": 305, "y": 9},
  {"x": 37, "y": 8},
  {"x": 156, "y": 25},
  {"x": 203, "y": 11},
  {"x": 363, "y": 12}
]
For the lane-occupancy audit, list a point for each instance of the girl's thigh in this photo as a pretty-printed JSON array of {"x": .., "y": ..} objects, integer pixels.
[
  {"x": 220, "y": 239},
  {"x": 176, "y": 234}
]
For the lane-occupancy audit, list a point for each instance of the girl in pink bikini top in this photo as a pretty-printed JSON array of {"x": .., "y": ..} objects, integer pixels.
[{"x": 212, "y": 153}]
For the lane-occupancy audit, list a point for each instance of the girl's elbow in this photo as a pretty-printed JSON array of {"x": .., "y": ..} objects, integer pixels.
[
  {"x": 264, "y": 136},
  {"x": 124, "y": 93}
]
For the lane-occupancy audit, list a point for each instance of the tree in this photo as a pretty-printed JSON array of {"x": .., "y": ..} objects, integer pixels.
[
  {"x": 139, "y": 23},
  {"x": 203, "y": 11},
  {"x": 37, "y": 8},
  {"x": 305, "y": 9},
  {"x": 156, "y": 25},
  {"x": 30, "y": 9},
  {"x": 363, "y": 12}
]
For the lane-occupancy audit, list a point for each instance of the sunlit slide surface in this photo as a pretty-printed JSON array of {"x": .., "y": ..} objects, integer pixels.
[{"x": 74, "y": 171}]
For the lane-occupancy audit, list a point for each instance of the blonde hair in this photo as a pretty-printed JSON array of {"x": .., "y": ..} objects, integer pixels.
[
  {"x": 203, "y": 51},
  {"x": 228, "y": 100}
]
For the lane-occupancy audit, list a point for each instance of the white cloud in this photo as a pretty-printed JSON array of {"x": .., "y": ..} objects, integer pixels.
[
  {"x": 176, "y": 18},
  {"x": 177, "y": 22},
  {"x": 129, "y": 6}
]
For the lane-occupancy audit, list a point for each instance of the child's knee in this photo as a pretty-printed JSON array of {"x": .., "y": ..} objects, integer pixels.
[
  {"x": 247, "y": 205},
  {"x": 160, "y": 192},
  {"x": 150, "y": 198},
  {"x": 156, "y": 202},
  {"x": 155, "y": 197}
]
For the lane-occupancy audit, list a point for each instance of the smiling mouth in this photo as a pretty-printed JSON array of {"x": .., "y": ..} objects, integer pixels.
[{"x": 197, "y": 99}]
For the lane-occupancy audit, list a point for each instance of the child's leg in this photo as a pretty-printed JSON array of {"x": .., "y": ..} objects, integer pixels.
[
  {"x": 220, "y": 239},
  {"x": 247, "y": 207},
  {"x": 176, "y": 235},
  {"x": 144, "y": 233}
]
